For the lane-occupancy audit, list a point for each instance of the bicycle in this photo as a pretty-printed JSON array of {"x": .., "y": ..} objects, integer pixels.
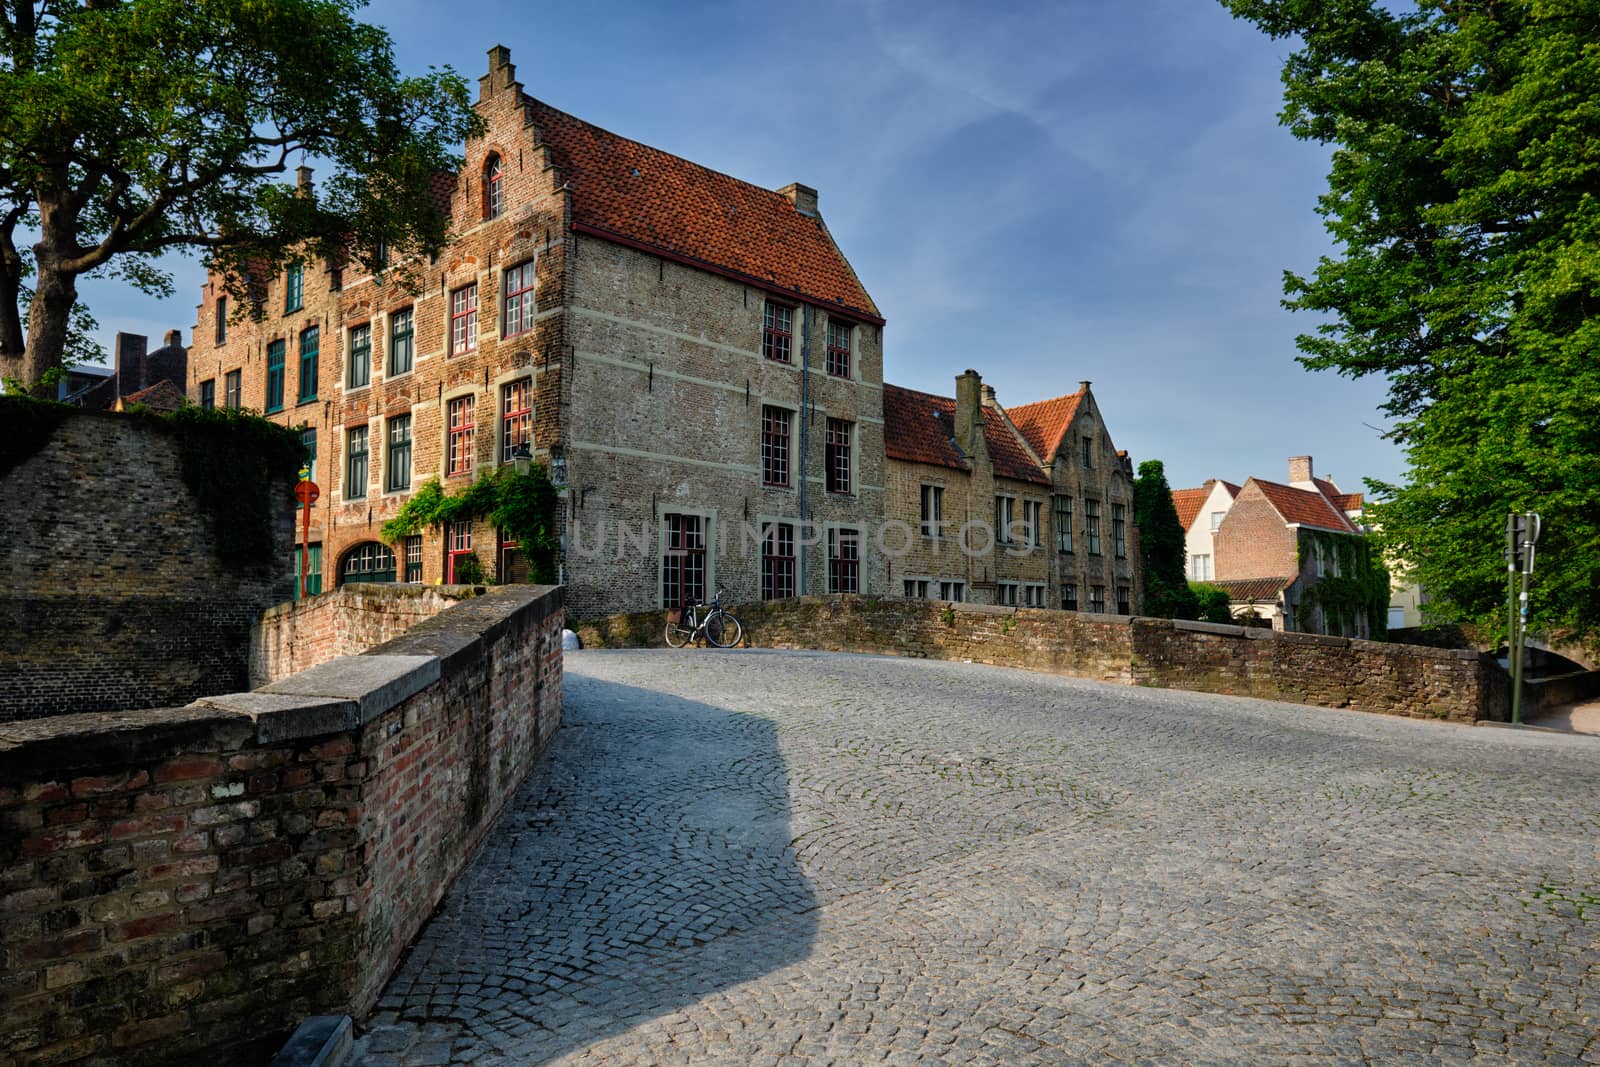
[{"x": 721, "y": 629}]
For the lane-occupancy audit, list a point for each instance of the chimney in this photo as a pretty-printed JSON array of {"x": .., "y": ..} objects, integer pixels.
[
  {"x": 803, "y": 197},
  {"x": 1300, "y": 471},
  {"x": 173, "y": 339},
  {"x": 502, "y": 75},
  {"x": 969, "y": 410},
  {"x": 302, "y": 179},
  {"x": 129, "y": 351},
  {"x": 989, "y": 400}
]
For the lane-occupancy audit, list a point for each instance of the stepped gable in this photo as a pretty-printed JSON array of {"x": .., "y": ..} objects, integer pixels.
[{"x": 646, "y": 198}]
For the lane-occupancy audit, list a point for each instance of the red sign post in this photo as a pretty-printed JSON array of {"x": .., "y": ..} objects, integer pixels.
[{"x": 306, "y": 492}]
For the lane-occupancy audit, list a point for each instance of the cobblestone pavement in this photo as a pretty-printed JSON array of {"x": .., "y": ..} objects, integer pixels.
[{"x": 760, "y": 857}]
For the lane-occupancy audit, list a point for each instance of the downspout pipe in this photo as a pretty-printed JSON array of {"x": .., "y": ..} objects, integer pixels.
[{"x": 805, "y": 435}]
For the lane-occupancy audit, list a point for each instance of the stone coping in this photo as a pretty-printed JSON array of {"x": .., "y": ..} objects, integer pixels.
[{"x": 329, "y": 698}]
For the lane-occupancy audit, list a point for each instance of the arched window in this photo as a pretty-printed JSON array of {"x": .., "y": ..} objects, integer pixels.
[
  {"x": 494, "y": 185},
  {"x": 367, "y": 562}
]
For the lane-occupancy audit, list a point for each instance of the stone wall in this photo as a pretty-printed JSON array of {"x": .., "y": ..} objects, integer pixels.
[
  {"x": 1334, "y": 672},
  {"x": 181, "y": 884},
  {"x": 114, "y": 596},
  {"x": 346, "y": 622}
]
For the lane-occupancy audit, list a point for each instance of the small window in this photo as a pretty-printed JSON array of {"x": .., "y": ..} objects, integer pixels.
[
  {"x": 368, "y": 562},
  {"x": 1119, "y": 531},
  {"x": 1216, "y": 519},
  {"x": 208, "y": 394},
  {"x": 837, "y": 458},
  {"x": 310, "y": 562},
  {"x": 1124, "y": 603},
  {"x": 1088, "y": 451},
  {"x": 355, "y": 463},
  {"x": 397, "y": 462},
  {"x": 517, "y": 306},
  {"x": 1064, "y": 525},
  {"x": 1033, "y": 596},
  {"x": 1200, "y": 568},
  {"x": 683, "y": 564},
  {"x": 222, "y": 319},
  {"x": 464, "y": 319},
  {"x": 1005, "y": 594},
  {"x": 1033, "y": 519},
  {"x": 844, "y": 561},
  {"x": 1004, "y": 515},
  {"x": 275, "y": 352},
  {"x": 458, "y": 569},
  {"x": 915, "y": 588},
  {"x": 463, "y": 434},
  {"x": 494, "y": 187},
  {"x": 232, "y": 386},
  {"x": 777, "y": 560},
  {"x": 293, "y": 288},
  {"x": 401, "y": 326},
  {"x": 777, "y": 332},
  {"x": 1069, "y": 598},
  {"x": 1097, "y": 599},
  {"x": 952, "y": 592},
  {"x": 1091, "y": 525},
  {"x": 513, "y": 563},
  {"x": 839, "y": 349},
  {"x": 516, "y": 420},
  {"x": 310, "y": 342},
  {"x": 932, "y": 510},
  {"x": 775, "y": 424},
  {"x": 360, "y": 371},
  {"x": 414, "y": 558}
]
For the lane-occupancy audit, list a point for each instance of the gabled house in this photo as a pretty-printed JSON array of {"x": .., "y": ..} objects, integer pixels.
[
  {"x": 1200, "y": 512},
  {"x": 1028, "y": 506}
]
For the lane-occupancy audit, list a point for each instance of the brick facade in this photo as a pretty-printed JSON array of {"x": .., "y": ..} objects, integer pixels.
[{"x": 638, "y": 356}]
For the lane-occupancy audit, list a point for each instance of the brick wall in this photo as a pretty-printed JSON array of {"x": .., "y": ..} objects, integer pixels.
[
  {"x": 186, "y": 883},
  {"x": 1334, "y": 672},
  {"x": 114, "y": 596},
  {"x": 346, "y": 622},
  {"x": 1253, "y": 541}
]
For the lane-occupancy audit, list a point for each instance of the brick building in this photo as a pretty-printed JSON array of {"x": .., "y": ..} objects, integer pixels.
[
  {"x": 1031, "y": 505},
  {"x": 690, "y": 355}
]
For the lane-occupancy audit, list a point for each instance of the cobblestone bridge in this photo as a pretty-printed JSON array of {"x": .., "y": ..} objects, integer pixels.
[{"x": 764, "y": 857}]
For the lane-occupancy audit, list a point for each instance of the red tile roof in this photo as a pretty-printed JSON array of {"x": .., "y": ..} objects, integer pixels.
[
  {"x": 1188, "y": 502},
  {"x": 1045, "y": 422},
  {"x": 641, "y": 196},
  {"x": 1253, "y": 588},
  {"x": 162, "y": 396},
  {"x": 1342, "y": 501},
  {"x": 920, "y": 428},
  {"x": 1305, "y": 507},
  {"x": 1009, "y": 453}
]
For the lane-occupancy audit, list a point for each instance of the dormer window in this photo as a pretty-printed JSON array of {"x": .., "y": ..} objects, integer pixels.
[{"x": 494, "y": 186}]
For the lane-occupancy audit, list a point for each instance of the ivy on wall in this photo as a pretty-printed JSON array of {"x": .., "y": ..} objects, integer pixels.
[
  {"x": 1356, "y": 585},
  {"x": 522, "y": 503},
  {"x": 230, "y": 460}
]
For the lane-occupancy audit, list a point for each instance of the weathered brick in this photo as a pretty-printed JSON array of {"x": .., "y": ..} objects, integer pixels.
[
  {"x": 93, "y": 786},
  {"x": 189, "y": 768}
]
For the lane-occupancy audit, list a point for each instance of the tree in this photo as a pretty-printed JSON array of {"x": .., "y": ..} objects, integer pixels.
[
  {"x": 1464, "y": 201},
  {"x": 136, "y": 127},
  {"x": 1161, "y": 546}
]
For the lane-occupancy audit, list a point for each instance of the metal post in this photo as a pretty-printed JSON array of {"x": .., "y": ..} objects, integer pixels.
[{"x": 1522, "y": 633}]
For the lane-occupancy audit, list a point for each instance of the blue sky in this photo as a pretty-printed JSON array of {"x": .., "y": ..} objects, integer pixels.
[{"x": 1046, "y": 192}]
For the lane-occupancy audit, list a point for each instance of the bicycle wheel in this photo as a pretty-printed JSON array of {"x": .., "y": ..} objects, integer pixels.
[
  {"x": 677, "y": 636},
  {"x": 723, "y": 630}
]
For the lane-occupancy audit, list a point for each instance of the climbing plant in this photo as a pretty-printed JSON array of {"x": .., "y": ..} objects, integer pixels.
[
  {"x": 1356, "y": 584},
  {"x": 231, "y": 459},
  {"x": 523, "y": 504},
  {"x": 29, "y": 425}
]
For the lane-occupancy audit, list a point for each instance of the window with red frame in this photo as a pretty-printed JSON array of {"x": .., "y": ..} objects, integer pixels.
[
  {"x": 777, "y": 330},
  {"x": 464, "y": 319},
  {"x": 516, "y": 420},
  {"x": 844, "y": 561},
  {"x": 837, "y": 459},
  {"x": 839, "y": 349},
  {"x": 513, "y": 565},
  {"x": 463, "y": 435},
  {"x": 774, "y": 446},
  {"x": 683, "y": 565},
  {"x": 460, "y": 534},
  {"x": 517, "y": 304},
  {"x": 494, "y": 187}
]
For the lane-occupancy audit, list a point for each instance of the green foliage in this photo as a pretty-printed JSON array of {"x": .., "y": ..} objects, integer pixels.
[
  {"x": 521, "y": 504},
  {"x": 1161, "y": 546},
  {"x": 231, "y": 459},
  {"x": 1214, "y": 603},
  {"x": 1463, "y": 199},
  {"x": 29, "y": 425},
  {"x": 1356, "y": 585},
  {"x": 140, "y": 126}
]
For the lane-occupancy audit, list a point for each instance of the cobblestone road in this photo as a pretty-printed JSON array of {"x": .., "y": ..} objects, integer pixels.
[{"x": 764, "y": 857}]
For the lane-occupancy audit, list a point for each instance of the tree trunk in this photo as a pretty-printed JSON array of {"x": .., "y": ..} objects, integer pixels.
[
  {"x": 55, "y": 293},
  {"x": 11, "y": 338}
]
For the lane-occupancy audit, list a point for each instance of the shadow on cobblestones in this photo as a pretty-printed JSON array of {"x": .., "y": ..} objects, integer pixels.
[{"x": 608, "y": 893}]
